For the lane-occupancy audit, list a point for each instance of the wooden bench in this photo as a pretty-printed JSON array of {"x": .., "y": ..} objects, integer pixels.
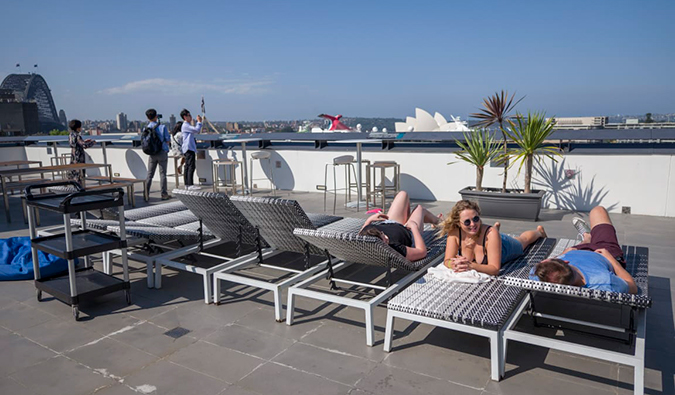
[{"x": 130, "y": 190}]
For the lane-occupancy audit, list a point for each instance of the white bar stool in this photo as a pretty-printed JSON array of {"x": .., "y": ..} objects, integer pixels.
[
  {"x": 348, "y": 162},
  {"x": 260, "y": 155}
]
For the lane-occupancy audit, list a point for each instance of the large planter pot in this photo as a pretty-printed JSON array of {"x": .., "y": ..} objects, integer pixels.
[{"x": 511, "y": 204}]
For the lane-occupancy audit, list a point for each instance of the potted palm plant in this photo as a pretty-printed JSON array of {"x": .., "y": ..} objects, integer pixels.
[
  {"x": 479, "y": 148},
  {"x": 528, "y": 135},
  {"x": 496, "y": 109}
]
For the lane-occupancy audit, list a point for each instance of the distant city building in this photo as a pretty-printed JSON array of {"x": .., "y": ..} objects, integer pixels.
[
  {"x": 576, "y": 123},
  {"x": 32, "y": 88},
  {"x": 122, "y": 123},
  {"x": 19, "y": 118},
  {"x": 172, "y": 121},
  {"x": 63, "y": 119}
]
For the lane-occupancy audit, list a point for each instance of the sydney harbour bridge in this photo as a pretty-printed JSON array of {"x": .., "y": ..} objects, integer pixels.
[{"x": 33, "y": 88}]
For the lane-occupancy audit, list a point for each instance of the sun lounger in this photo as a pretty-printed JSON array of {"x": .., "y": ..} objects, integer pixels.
[
  {"x": 276, "y": 219},
  {"x": 225, "y": 222},
  {"x": 366, "y": 250},
  {"x": 153, "y": 235},
  {"x": 613, "y": 302},
  {"x": 479, "y": 309}
]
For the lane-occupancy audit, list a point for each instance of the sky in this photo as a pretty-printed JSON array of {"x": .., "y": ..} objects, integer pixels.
[{"x": 283, "y": 60}]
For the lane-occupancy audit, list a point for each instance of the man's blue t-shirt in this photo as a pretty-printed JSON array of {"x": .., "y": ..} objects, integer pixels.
[{"x": 597, "y": 271}]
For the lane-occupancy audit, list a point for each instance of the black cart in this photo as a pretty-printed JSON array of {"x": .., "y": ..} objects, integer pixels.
[{"x": 86, "y": 281}]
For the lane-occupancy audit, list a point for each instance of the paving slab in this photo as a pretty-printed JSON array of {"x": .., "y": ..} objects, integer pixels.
[
  {"x": 249, "y": 341},
  {"x": 390, "y": 380},
  {"x": 333, "y": 365},
  {"x": 167, "y": 378},
  {"x": 115, "y": 357},
  {"x": 216, "y": 361},
  {"x": 272, "y": 378},
  {"x": 61, "y": 375}
]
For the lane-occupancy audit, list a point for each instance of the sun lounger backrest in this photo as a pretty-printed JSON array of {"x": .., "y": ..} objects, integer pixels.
[
  {"x": 218, "y": 213},
  {"x": 636, "y": 264},
  {"x": 276, "y": 219},
  {"x": 369, "y": 250}
]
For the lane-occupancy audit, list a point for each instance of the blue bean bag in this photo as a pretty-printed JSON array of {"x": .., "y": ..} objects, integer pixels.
[{"x": 16, "y": 262}]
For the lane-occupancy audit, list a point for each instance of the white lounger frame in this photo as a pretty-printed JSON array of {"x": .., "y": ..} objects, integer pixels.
[{"x": 368, "y": 306}]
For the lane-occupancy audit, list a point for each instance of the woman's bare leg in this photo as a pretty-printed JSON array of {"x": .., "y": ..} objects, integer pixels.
[
  {"x": 399, "y": 210},
  {"x": 530, "y": 236},
  {"x": 417, "y": 217}
]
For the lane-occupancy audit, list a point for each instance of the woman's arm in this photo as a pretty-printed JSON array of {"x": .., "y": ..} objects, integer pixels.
[
  {"x": 451, "y": 248},
  {"x": 494, "y": 254},
  {"x": 420, "y": 250},
  {"x": 373, "y": 218}
]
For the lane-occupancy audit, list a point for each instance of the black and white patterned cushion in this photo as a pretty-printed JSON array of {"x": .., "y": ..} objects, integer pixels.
[{"x": 487, "y": 305}]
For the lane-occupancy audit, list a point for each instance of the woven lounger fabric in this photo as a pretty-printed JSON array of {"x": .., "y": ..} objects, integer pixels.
[
  {"x": 218, "y": 213},
  {"x": 351, "y": 247},
  {"x": 486, "y": 305},
  {"x": 277, "y": 218},
  {"x": 154, "y": 210},
  {"x": 637, "y": 259}
]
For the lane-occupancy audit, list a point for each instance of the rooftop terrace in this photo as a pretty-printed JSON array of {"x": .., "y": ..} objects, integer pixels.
[{"x": 238, "y": 348}]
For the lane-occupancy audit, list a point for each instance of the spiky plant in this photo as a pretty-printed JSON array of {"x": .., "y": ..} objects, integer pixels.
[
  {"x": 479, "y": 148},
  {"x": 529, "y": 135},
  {"x": 496, "y": 109}
]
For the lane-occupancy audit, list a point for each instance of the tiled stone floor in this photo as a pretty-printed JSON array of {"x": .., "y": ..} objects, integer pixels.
[{"x": 238, "y": 348}]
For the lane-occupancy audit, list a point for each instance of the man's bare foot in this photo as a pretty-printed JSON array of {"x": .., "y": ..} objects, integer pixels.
[
  {"x": 497, "y": 225},
  {"x": 541, "y": 231}
]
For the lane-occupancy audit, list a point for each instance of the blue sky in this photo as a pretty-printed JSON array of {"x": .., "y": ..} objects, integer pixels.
[{"x": 264, "y": 60}]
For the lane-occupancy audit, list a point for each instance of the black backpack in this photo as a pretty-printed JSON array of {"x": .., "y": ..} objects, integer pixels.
[{"x": 150, "y": 141}]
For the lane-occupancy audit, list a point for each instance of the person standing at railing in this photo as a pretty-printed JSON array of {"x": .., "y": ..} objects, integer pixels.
[
  {"x": 77, "y": 147},
  {"x": 190, "y": 146}
]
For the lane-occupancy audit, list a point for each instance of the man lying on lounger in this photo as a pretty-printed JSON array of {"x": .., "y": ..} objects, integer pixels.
[{"x": 595, "y": 264}]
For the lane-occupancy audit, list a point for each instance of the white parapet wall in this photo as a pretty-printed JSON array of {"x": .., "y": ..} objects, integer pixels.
[{"x": 645, "y": 183}]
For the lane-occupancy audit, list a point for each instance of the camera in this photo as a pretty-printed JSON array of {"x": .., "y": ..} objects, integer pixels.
[{"x": 159, "y": 116}]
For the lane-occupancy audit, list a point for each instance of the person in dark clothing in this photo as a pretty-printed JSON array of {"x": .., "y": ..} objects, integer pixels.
[
  {"x": 401, "y": 228},
  {"x": 77, "y": 147}
]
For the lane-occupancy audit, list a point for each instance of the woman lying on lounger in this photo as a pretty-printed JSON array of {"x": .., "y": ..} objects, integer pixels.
[
  {"x": 400, "y": 228},
  {"x": 473, "y": 245}
]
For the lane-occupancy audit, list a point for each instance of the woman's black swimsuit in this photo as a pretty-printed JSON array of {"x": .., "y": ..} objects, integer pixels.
[
  {"x": 485, "y": 259},
  {"x": 399, "y": 236}
]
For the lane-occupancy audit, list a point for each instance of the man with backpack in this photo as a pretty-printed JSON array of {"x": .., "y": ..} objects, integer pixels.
[{"x": 155, "y": 140}]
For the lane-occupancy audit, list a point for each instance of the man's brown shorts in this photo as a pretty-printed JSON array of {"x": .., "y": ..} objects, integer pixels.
[{"x": 604, "y": 236}]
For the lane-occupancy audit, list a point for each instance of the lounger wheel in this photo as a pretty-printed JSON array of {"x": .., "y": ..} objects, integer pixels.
[
  {"x": 38, "y": 295},
  {"x": 127, "y": 295},
  {"x": 76, "y": 313}
]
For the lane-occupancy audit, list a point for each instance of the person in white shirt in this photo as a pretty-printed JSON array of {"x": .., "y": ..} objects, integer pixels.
[{"x": 189, "y": 147}]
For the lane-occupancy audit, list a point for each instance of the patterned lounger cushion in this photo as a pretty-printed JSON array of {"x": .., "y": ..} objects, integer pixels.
[
  {"x": 171, "y": 220},
  {"x": 161, "y": 235},
  {"x": 637, "y": 259},
  {"x": 154, "y": 210},
  {"x": 351, "y": 247},
  {"x": 277, "y": 218},
  {"x": 100, "y": 224},
  {"x": 487, "y": 305},
  {"x": 218, "y": 213}
]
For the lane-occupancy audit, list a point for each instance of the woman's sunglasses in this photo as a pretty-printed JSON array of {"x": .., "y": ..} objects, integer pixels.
[{"x": 475, "y": 220}]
